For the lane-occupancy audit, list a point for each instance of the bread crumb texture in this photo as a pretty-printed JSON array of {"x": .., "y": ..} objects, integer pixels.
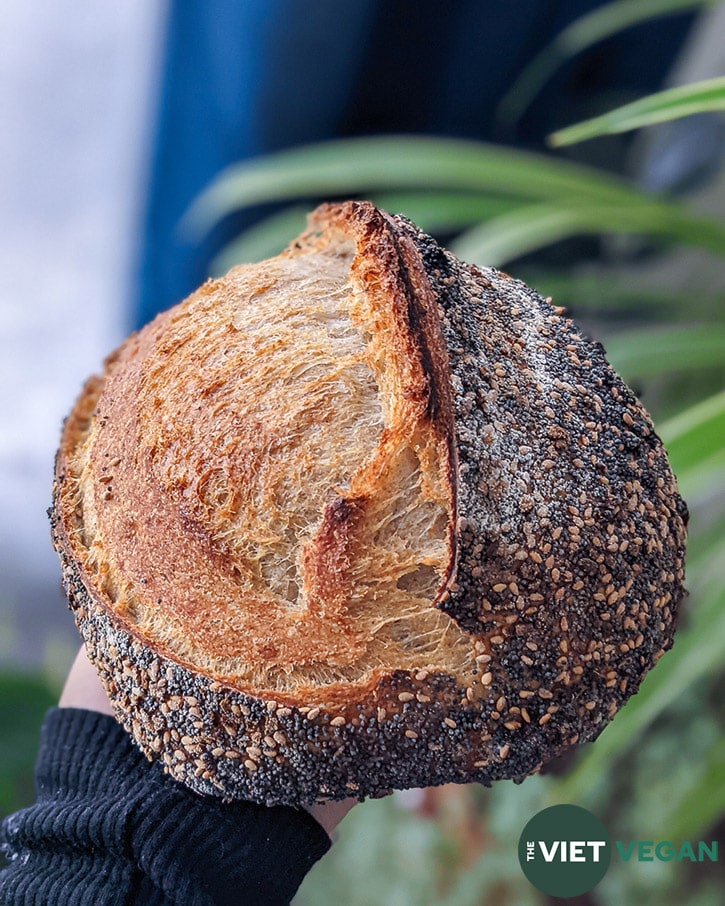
[{"x": 363, "y": 517}]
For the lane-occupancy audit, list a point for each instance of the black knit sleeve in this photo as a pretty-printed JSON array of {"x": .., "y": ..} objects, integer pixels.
[{"x": 111, "y": 829}]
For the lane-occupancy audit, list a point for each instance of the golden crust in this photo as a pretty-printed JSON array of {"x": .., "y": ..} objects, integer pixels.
[{"x": 363, "y": 517}]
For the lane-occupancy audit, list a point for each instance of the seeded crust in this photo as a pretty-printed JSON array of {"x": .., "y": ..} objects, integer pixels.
[{"x": 494, "y": 564}]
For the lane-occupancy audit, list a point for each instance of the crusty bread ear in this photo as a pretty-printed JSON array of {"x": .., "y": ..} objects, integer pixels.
[{"x": 361, "y": 517}]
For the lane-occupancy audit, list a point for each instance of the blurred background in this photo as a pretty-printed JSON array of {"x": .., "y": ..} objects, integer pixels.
[{"x": 147, "y": 145}]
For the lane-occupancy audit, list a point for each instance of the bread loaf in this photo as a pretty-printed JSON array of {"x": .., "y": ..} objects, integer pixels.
[{"x": 363, "y": 517}]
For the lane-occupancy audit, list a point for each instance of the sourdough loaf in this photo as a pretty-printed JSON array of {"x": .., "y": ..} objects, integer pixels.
[{"x": 363, "y": 517}]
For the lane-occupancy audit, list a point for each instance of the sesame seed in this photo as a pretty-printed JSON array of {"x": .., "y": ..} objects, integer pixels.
[
  {"x": 449, "y": 722},
  {"x": 544, "y": 719},
  {"x": 250, "y": 765},
  {"x": 406, "y": 696},
  {"x": 486, "y": 679},
  {"x": 337, "y": 721},
  {"x": 504, "y": 751},
  {"x": 313, "y": 713},
  {"x": 411, "y": 734}
]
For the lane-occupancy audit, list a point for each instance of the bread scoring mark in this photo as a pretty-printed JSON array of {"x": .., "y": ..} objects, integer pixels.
[{"x": 424, "y": 324}]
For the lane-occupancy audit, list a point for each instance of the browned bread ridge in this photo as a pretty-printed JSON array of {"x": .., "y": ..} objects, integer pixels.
[{"x": 364, "y": 517}]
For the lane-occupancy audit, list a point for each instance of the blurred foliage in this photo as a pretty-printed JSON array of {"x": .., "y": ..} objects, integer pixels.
[
  {"x": 590, "y": 29},
  {"x": 518, "y": 201},
  {"x": 662, "y": 107},
  {"x": 24, "y": 699},
  {"x": 653, "y": 292}
]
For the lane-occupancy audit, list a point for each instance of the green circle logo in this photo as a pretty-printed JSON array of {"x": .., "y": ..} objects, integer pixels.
[{"x": 564, "y": 851}]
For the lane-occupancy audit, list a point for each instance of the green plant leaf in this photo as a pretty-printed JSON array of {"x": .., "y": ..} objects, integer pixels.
[
  {"x": 582, "y": 199},
  {"x": 433, "y": 212},
  {"x": 647, "y": 352},
  {"x": 661, "y": 107},
  {"x": 445, "y": 212},
  {"x": 400, "y": 163},
  {"x": 693, "y": 436},
  {"x": 584, "y": 32},
  {"x": 510, "y": 236},
  {"x": 526, "y": 229}
]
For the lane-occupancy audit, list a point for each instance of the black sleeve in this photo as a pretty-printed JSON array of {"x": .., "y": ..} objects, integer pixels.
[{"x": 111, "y": 829}]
